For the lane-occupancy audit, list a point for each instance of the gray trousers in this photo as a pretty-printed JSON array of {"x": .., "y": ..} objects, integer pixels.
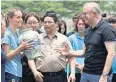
[{"x": 85, "y": 77}]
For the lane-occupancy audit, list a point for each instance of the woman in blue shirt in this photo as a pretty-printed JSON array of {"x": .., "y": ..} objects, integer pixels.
[
  {"x": 77, "y": 41},
  {"x": 13, "y": 66}
]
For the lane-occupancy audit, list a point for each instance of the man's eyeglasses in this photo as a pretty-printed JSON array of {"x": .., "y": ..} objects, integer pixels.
[
  {"x": 85, "y": 13},
  {"x": 49, "y": 22}
]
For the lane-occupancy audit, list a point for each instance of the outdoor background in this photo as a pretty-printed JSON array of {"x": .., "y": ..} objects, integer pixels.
[{"x": 64, "y": 9}]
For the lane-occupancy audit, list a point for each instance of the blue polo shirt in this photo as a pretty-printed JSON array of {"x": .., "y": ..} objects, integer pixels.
[
  {"x": 14, "y": 65},
  {"x": 77, "y": 44}
]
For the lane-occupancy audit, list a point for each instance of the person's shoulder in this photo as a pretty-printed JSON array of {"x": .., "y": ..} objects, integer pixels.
[
  {"x": 70, "y": 33},
  {"x": 107, "y": 26},
  {"x": 88, "y": 30},
  {"x": 61, "y": 35},
  {"x": 105, "y": 23},
  {"x": 72, "y": 36},
  {"x": 7, "y": 32},
  {"x": 108, "y": 29},
  {"x": 42, "y": 35},
  {"x": 35, "y": 32}
]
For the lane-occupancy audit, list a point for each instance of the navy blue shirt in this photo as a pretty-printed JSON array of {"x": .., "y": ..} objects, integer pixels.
[
  {"x": 3, "y": 61},
  {"x": 96, "y": 53}
]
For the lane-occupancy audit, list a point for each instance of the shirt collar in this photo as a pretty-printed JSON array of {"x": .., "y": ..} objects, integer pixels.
[
  {"x": 45, "y": 35},
  {"x": 98, "y": 24},
  {"x": 13, "y": 33},
  {"x": 77, "y": 35}
]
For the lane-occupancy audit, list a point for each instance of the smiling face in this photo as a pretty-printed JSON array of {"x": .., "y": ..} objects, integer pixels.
[
  {"x": 16, "y": 20},
  {"x": 33, "y": 23},
  {"x": 88, "y": 15},
  {"x": 49, "y": 24}
]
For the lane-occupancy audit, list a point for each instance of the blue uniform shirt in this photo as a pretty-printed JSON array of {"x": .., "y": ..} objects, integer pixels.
[
  {"x": 77, "y": 44},
  {"x": 14, "y": 65}
]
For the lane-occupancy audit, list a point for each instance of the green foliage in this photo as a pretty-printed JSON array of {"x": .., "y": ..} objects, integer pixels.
[{"x": 63, "y": 8}]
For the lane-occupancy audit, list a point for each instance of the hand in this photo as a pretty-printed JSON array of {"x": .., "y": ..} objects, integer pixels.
[
  {"x": 26, "y": 44},
  {"x": 71, "y": 78},
  {"x": 79, "y": 67},
  {"x": 64, "y": 50},
  {"x": 103, "y": 78},
  {"x": 38, "y": 76}
]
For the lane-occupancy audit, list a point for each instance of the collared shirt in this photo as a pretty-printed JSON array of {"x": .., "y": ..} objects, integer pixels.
[
  {"x": 14, "y": 65},
  {"x": 51, "y": 60},
  {"x": 77, "y": 44},
  {"x": 96, "y": 53}
]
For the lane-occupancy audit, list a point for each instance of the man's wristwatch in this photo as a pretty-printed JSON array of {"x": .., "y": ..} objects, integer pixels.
[{"x": 105, "y": 74}]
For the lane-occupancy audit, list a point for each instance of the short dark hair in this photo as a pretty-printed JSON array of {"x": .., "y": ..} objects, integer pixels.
[
  {"x": 51, "y": 14},
  {"x": 76, "y": 16},
  {"x": 110, "y": 20},
  {"x": 104, "y": 15}
]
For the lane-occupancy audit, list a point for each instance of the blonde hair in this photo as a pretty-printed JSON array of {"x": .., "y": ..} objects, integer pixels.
[{"x": 10, "y": 14}]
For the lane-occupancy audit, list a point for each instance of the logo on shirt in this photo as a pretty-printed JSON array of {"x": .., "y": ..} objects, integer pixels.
[{"x": 13, "y": 80}]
